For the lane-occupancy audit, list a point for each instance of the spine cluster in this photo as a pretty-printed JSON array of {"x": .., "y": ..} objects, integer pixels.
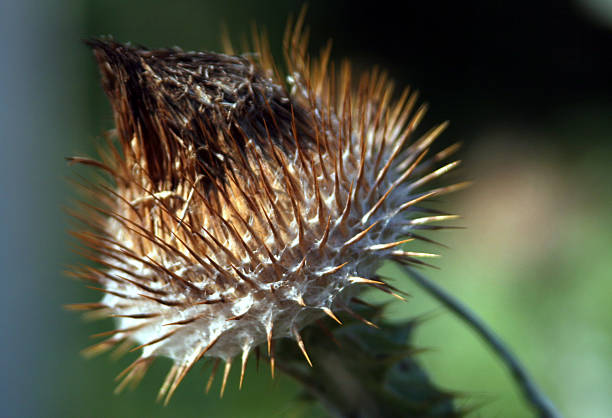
[{"x": 241, "y": 207}]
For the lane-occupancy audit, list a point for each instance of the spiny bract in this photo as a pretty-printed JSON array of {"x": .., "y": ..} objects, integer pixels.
[{"x": 242, "y": 208}]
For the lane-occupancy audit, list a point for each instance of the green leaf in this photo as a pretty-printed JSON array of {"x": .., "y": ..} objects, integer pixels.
[{"x": 365, "y": 371}]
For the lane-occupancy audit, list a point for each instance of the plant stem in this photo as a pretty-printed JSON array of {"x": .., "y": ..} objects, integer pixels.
[{"x": 533, "y": 395}]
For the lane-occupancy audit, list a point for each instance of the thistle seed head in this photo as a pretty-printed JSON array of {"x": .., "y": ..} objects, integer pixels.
[{"x": 242, "y": 207}]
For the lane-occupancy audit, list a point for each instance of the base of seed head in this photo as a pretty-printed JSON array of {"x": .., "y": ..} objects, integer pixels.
[{"x": 242, "y": 208}]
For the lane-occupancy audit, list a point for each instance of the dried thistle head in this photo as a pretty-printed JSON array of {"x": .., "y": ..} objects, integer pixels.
[{"x": 242, "y": 208}]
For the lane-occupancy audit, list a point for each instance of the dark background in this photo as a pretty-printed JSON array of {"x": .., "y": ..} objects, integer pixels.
[{"x": 527, "y": 88}]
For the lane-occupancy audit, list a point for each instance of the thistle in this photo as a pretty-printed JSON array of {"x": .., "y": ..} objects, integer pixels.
[{"x": 240, "y": 206}]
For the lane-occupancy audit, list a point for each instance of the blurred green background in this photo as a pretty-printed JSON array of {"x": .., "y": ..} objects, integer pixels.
[{"x": 528, "y": 90}]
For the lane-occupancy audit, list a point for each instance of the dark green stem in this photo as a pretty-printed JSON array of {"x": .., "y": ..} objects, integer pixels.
[{"x": 533, "y": 395}]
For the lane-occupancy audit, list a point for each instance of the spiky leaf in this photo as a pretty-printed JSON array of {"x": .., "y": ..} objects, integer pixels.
[{"x": 368, "y": 372}]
